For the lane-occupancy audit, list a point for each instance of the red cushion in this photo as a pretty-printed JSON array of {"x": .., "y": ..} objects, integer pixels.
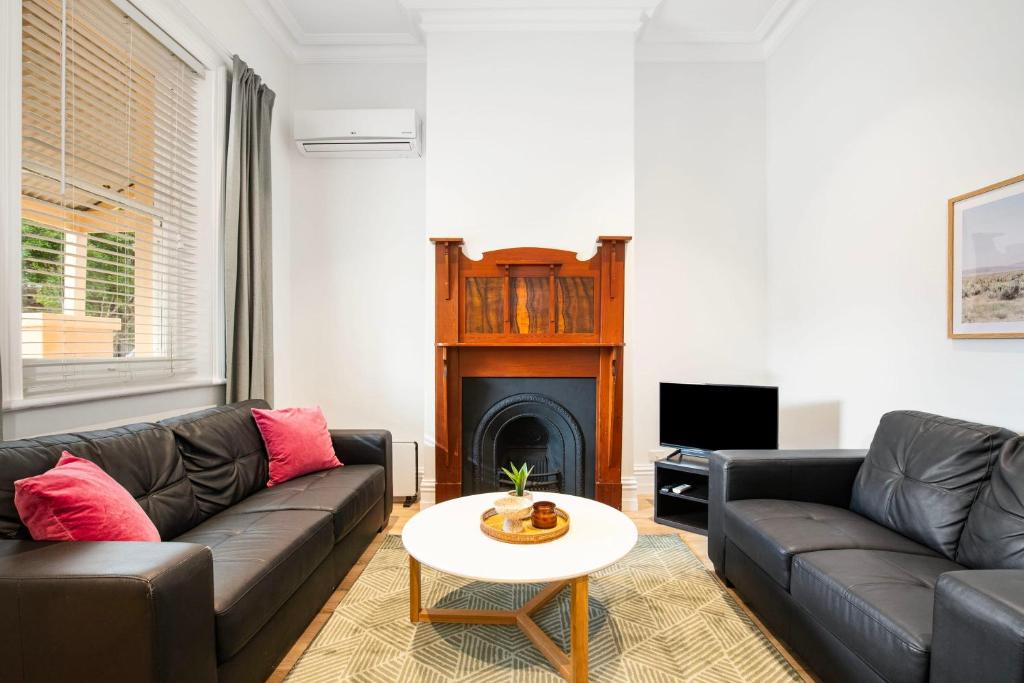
[
  {"x": 298, "y": 442},
  {"x": 77, "y": 501}
]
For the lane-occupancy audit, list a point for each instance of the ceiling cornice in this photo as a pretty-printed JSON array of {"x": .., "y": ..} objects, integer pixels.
[
  {"x": 334, "y": 48},
  {"x": 274, "y": 24},
  {"x": 788, "y": 17},
  {"x": 448, "y": 16},
  {"x": 732, "y": 46},
  {"x": 432, "y": 16}
]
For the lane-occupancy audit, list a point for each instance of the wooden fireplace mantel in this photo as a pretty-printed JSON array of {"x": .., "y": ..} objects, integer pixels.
[
  {"x": 557, "y": 345},
  {"x": 529, "y": 312}
]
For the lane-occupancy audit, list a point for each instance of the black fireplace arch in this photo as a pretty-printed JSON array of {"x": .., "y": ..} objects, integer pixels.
[{"x": 531, "y": 428}]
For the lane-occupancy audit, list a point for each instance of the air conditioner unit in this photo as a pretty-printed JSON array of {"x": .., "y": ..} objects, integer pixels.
[{"x": 358, "y": 133}]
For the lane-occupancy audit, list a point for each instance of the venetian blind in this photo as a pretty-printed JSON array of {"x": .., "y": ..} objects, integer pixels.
[{"x": 109, "y": 137}]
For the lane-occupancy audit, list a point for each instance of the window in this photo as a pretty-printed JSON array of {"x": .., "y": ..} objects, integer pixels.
[{"x": 109, "y": 201}]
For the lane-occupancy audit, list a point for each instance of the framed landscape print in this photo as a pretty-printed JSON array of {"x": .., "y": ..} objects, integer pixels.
[{"x": 986, "y": 262}]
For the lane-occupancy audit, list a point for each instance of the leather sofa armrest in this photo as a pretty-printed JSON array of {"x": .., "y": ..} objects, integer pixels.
[
  {"x": 368, "y": 447},
  {"x": 978, "y": 626},
  {"x": 118, "y": 611},
  {"x": 814, "y": 476}
]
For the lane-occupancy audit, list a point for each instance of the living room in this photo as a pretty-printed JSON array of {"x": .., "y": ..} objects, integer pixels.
[{"x": 431, "y": 241}]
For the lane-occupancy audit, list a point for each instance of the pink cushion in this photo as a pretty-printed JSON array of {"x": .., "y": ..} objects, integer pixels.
[
  {"x": 298, "y": 442},
  {"x": 77, "y": 501}
]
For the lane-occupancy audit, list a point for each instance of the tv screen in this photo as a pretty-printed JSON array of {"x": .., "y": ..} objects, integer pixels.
[{"x": 719, "y": 417}]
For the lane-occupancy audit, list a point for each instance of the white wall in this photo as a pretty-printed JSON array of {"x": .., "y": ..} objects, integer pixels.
[
  {"x": 357, "y": 270},
  {"x": 530, "y": 139},
  {"x": 700, "y": 236},
  {"x": 878, "y": 112}
]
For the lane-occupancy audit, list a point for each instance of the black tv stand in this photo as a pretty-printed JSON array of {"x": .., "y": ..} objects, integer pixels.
[
  {"x": 687, "y": 510},
  {"x": 684, "y": 451}
]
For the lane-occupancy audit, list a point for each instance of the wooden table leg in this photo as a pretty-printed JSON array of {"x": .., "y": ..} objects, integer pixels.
[
  {"x": 573, "y": 668},
  {"x": 579, "y": 626},
  {"x": 414, "y": 590}
]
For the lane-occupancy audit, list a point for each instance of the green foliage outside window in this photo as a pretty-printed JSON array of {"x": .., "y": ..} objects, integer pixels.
[
  {"x": 42, "y": 254},
  {"x": 110, "y": 283}
]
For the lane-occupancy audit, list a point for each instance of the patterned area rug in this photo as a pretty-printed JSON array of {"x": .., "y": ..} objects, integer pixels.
[{"x": 657, "y": 615}]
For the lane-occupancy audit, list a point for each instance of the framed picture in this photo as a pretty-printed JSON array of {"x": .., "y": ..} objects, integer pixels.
[{"x": 986, "y": 262}]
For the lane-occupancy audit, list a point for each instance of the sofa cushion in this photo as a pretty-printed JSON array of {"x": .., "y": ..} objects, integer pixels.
[
  {"x": 77, "y": 501},
  {"x": 223, "y": 454},
  {"x": 772, "y": 532},
  {"x": 143, "y": 458},
  {"x": 877, "y": 603},
  {"x": 347, "y": 493},
  {"x": 259, "y": 560},
  {"x": 297, "y": 440},
  {"x": 923, "y": 472},
  {"x": 994, "y": 535}
]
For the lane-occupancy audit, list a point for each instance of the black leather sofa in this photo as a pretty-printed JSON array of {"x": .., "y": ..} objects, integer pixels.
[
  {"x": 904, "y": 562},
  {"x": 242, "y": 571}
]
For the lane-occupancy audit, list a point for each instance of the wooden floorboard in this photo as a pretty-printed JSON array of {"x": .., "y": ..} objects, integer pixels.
[{"x": 645, "y": 524}]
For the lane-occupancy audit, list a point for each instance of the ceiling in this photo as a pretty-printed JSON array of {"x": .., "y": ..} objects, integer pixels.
[{"x": 314, "y": 31}]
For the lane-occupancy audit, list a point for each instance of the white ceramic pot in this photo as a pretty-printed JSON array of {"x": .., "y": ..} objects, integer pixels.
[{"x": 513, "y": 510}]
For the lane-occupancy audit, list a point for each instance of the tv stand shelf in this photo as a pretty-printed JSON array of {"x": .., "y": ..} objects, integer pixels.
[
  {"x": 699, "y": 495},
  {"x": 687, "y": 510}
]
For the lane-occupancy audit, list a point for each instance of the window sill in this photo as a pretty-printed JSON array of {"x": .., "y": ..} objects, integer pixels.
[{"x": 15, "y": 405}]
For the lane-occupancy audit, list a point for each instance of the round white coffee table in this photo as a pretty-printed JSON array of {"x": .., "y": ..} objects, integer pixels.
[{"x": 447, "y": 537}]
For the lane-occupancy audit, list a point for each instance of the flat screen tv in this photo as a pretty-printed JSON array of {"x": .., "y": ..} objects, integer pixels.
[{"x": 717, "y": 417}]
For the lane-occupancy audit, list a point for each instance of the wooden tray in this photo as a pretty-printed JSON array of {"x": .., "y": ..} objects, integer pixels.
[{"x": 490, "y": 524}]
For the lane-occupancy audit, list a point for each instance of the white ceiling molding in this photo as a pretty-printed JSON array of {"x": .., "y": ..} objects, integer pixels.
[
  {"x": 286, "y": 19},
  {"x": 435, "y": 16},
  {"x": 790, "y": 15},
  {"x": 775, "y": 14},
  {"x": 431, "y": 16},
  {"x": 725, "y": 46},
  {"x": 275, "y": 25},
  {"x": 334, "y": 48}
]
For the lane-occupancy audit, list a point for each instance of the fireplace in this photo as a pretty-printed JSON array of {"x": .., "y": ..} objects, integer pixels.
[
  {"x": 528, "y": 364},
  {"x": 547, "y": 423}
]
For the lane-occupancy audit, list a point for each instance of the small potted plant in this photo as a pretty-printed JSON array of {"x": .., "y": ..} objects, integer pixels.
[{"x": 516, "y": 505}]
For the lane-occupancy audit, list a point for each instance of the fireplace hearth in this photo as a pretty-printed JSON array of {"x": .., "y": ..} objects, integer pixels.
[{"x": 547, "y": 423}]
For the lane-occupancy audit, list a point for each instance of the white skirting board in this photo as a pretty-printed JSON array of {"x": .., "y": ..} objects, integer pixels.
[
  {"x": 643, "y": 474},
  {"x": 630, "y": 502},
  {"x": 427, "y": 489}
]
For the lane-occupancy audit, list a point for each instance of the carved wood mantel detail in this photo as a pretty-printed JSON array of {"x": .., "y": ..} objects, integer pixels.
[{"x": 529, "y": 312}]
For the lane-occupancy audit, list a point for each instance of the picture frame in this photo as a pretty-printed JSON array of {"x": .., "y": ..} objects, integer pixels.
[{"x": 985, "y": 292}]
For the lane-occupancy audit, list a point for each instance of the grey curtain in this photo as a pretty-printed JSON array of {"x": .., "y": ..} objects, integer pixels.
[{"x": 248, "y": 285}]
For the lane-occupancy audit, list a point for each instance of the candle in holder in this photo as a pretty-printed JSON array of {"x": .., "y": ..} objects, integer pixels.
[{"x": 543, "y": 516}]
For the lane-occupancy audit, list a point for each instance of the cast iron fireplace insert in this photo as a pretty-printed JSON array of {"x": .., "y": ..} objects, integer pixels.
[{"x": 548, "y": 423}]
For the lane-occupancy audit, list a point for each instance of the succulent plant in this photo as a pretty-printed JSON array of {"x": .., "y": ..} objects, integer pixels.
[{"x": 518, "y": 476}]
